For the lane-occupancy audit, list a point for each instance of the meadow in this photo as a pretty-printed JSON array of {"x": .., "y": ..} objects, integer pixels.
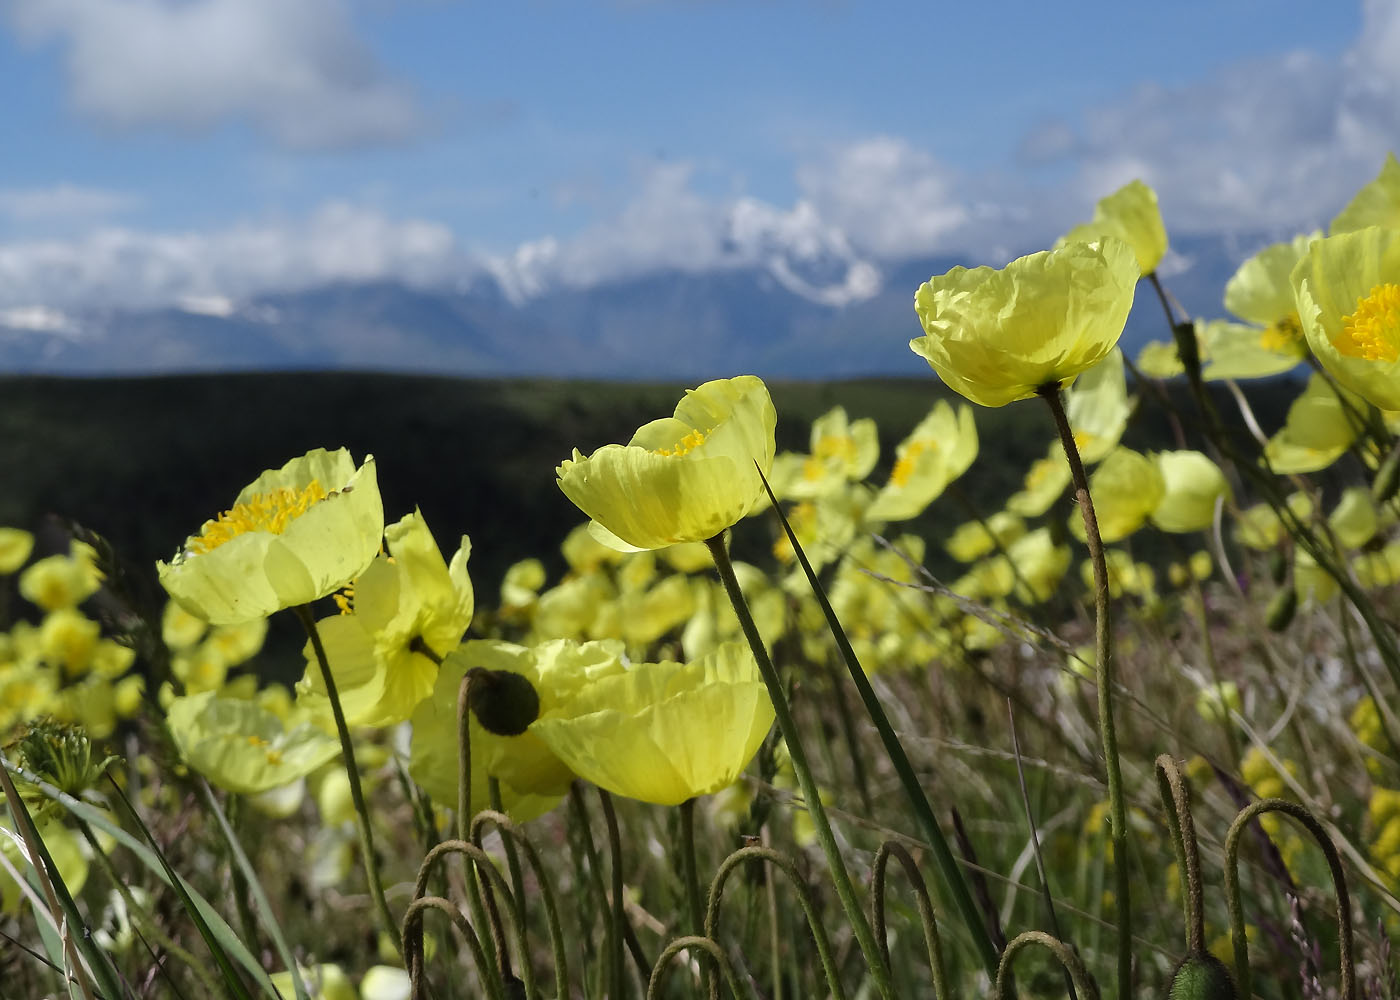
[{"x": 913, "y": 727}]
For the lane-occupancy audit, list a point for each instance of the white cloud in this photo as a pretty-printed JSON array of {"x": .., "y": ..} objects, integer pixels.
[
  {"x": 39, "y": 319},
  {"x": 888, "y": 197},
  {"x": 126, "y": 267},
  {"x": 668, "y": 225},
  {"x": 62, "y": 202},
  {"x": 293, "y": 69},
  {"x": 1270, "y": 144}
]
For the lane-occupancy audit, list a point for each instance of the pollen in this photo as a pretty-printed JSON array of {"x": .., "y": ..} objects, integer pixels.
[
  {"x": 685, "y": 445},
  {"x": 345, "y": 599},
  {"x": 1283, "y": 336},
  {"x": 904, "y": 468},
  {"x": 1372, "y": 332},
  {"x": 269, "y": 512}
]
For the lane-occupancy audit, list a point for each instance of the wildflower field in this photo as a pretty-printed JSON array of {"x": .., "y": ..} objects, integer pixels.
[{"x": 1082, "y": 678}]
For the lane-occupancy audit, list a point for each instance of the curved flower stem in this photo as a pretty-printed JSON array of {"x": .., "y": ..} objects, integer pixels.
[
  {"x": 1063, "y": 954},
  {"x": 1176, "y": 800},
  {"x": 352, "y": 771},
  {"x": 787, "y": 725},
  {"x": 1103, "y": 670}
]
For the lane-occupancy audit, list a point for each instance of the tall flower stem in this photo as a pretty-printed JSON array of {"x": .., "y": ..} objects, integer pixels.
[
  {"x": 787, "y": 725},
  {"x": 352, "y": 771},
  {"x": 1103, "y": 675}
]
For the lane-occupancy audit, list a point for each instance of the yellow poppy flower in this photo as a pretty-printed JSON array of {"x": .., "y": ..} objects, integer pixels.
[
  {"x": 293, "y": 535},
  {"x": 683, "y": 478},
  {"x": 1348, "y": 292},
  {"x": 243, "y": 747},
  {"x": 664, "y": 732},
  {"x": 1130, "y": 214},
  {"x": 1354, "y": 521},
  {"x": 972, "y": 540},
  {"x": 1098, "y": 407},
  {"x": 60, "y": 581},
  {"x": 1127, "y": 487},
  {"x": 935, "y": 453},
  {"x": 1193, "y": 484},
  {"x": 842, "y": 451},
  {"x": 1159, "y": 359},
  {"x": 1240, "y": 351},
  {"x": 533, "y": 778},
  {"x": 1376, "y": 204},
  {"x": 998, "y": 336},
  {"x": 409, "y": 609},
  {"x": 1040, "y": 564},
  {"x": 1045, "y": 482},
  {"x": 1321, "y": 426},
  {"x": 1261, "y": 293},
  {"x": 15, "y": 546}
]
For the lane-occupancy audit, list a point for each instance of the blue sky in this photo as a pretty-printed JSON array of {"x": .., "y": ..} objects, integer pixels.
[{"x": 158, "y": 151}]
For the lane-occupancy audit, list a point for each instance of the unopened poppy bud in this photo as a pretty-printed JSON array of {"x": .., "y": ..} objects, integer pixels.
[
  {"x": 505, "y": 703},
  {"x": 1202, "y": 977},
  {"x": 1281, "y": 609}
]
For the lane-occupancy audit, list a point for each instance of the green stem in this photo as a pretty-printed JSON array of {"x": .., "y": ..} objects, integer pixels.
[
  {"x": 484, "y": 912},
  {"x": 690, "y": 871},
  {"x": 1103, "y": 670},
  {"x": 619, "y": 989},
  {"x": 352, "y": 771},
  {"x": 865, "y": 937}
]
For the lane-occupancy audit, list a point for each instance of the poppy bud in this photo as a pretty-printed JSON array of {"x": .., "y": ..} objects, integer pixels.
[
  {"x": 1202, "y": 977},
  {"x": 504, "y": 702}
]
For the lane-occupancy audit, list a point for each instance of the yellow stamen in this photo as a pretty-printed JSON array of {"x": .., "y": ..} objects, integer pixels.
[
  {"x": 257, "y": 741},
  {"x": 1285, "y": 335},
  {"x": 345, "y": 599},
  {"x": 1082, "y": 439},
  {"x": 904, "y": 468},
  {"x": 270, "y": 512},
  {"x": 1372, "y": 332},
  {"x": 274, "y": 757},
  {"x": 685, "y": 445},
  {"x": 813, "y": 468},
  {"x": 836, "y": 446}
]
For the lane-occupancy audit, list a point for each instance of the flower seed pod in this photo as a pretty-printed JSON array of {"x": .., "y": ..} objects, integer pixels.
[
  {"x": 1281, "y": 609},
  {"x": 1202, "y": 977},
  {"x": 505, "y": 703}
]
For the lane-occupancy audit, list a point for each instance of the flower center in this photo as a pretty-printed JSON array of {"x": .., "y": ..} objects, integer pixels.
[
  {"x": 904, "y": 468},
  {"x": 270, "y": 512},
  {"x": 836, "y": 446},
  {"x": 684, "y": 446},
  {"x": 1283, "y": 336},
  {"x": 1372, "y": 332}
]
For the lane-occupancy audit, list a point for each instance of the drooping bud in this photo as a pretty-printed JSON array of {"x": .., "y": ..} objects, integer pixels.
[
  {"x": 1202, "y": 977},
  {"x": 504, "y": 702}
]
